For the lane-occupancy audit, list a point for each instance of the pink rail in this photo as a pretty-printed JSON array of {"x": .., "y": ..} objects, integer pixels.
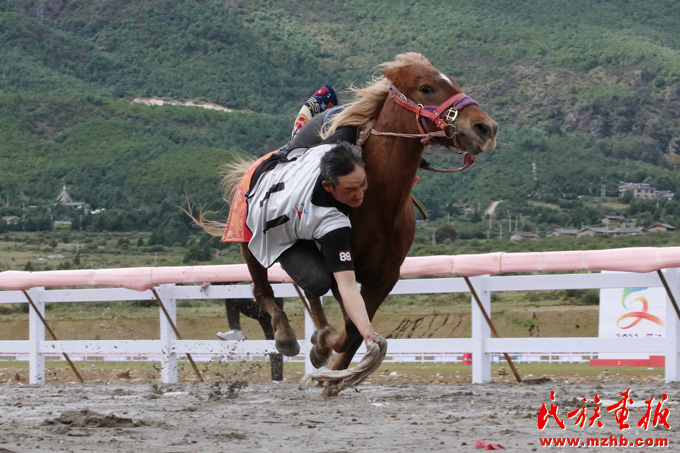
[{"x": 638, "y": 259}]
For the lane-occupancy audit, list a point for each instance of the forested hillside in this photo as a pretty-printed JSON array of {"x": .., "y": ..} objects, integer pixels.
[{"x": 587, "y": 91}]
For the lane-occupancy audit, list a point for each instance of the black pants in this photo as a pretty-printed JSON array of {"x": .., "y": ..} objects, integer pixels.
[
  {"x": 306, "y": 266},
  {"x": 250, "y": 308}
]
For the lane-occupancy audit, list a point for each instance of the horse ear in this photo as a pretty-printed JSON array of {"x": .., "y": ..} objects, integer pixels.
[{"x": 394, "y": 75}]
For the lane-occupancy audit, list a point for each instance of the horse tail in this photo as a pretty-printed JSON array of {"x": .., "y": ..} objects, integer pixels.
[{"x": 232, "y": 173}]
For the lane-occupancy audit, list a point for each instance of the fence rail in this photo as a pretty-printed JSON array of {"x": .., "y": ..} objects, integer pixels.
[{"x": 482, "y": 346}]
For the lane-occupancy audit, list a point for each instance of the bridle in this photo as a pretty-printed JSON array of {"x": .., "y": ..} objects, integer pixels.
[{"x": 443, "y": 116}]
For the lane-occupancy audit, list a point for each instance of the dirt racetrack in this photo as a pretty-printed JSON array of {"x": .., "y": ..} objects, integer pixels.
[{"x": 241, "y": 417}]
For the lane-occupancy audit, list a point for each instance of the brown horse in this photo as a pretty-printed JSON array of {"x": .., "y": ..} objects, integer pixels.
[{"x": 394, "y": 115}]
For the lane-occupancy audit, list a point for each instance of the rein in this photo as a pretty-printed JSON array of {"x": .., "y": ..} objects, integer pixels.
[
  {"x": 444, "y": 116},
  {"x": 468, "y": 160}
]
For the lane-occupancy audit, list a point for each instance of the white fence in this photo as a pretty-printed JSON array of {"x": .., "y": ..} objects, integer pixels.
[{"x": 482, "y": 346}]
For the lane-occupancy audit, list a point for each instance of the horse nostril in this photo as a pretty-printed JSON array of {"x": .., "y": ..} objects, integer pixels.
[{"x": 483, "y": 130}]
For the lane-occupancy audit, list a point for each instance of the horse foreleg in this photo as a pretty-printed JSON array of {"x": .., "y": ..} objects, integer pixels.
[
  {"x": 348, "y": 341},
  {"x": 284, "y": 335}
]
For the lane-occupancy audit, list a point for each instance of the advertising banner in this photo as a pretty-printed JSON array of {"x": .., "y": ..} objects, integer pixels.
[{"x": 632, "y": 313}]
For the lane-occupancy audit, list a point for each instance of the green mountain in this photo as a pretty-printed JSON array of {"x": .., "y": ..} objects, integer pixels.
[{"x": 587, "y": 95}]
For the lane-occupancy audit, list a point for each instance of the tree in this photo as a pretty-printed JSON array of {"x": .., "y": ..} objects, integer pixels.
[
  {"x": 627, "y": 197},
  {"x": 446, "y": 231},
  {"x": 198, "y": 252}
]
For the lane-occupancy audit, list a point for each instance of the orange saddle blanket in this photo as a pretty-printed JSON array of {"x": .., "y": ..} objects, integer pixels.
[{"x": 236, "y": 229}]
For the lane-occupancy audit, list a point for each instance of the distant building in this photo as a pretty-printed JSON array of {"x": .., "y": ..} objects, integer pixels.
[
  {"x": 644, "y": 191},
  {"x": 592, "y": 231},
  {"x": 667, "y": 194},
  {"x": 465, "y": 207},
  {"x": 632, "y": 231},
  {"x": 613, "y": 219},
  {"x": 517, "y": 235},
  {"x": 12, "y": 220},
  {"x": 661, "y": 227},
  {"x": 640, "y": 190},
  {"x": 65, "y": 199},
  {"x": 563, "y": 232}
]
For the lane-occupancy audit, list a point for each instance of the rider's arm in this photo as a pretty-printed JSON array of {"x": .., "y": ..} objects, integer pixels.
[
  {"x": 336, "y": 252},
  {"x": 354, "y": 304}
]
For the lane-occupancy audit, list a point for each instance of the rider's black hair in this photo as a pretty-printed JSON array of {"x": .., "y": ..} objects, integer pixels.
[{"x": 340, "y": 161}]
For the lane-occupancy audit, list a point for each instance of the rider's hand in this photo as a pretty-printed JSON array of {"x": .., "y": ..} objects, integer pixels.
[{"x": 371, "y": 335}]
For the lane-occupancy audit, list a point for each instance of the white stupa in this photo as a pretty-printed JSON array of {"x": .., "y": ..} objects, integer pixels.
[{"x": 64, "y": 197}]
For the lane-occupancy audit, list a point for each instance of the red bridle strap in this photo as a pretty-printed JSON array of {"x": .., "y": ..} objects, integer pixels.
[
  {"x": 450, "y": 107},
  {"x": 456, "y": 102}
]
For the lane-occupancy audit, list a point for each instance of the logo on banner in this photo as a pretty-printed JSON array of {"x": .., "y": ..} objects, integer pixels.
[{"x": 636, "y": 316}]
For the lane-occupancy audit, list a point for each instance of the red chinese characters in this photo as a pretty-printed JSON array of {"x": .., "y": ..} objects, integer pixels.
[
  {"x": 582, "y": 414},
  {"x": 660, "y": 414},
  {"x": 655, "y": 415},
  {"x": 544, "y": 413},
  {"x": 621, "y": 411}
]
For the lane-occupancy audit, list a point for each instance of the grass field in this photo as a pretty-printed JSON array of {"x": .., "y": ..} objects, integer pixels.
[{"x": 388, "y": 373}]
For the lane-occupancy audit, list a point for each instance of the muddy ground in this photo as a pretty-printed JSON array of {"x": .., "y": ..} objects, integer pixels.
[{"x": 242, "y": 416}]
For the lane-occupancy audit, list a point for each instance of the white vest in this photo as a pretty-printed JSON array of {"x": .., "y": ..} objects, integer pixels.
[{"x": 280, "y": 209}]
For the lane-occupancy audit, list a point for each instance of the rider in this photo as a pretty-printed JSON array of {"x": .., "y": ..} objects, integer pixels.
[{"x": 298, "y": 207}]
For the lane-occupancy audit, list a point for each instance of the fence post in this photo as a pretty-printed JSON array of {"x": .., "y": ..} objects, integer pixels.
[
  {"x": 168, "y": 337},
  {"x": 672, "y": 370},
  {"x": 481, "y": 360},
  {"x": 36, "y": 336}
]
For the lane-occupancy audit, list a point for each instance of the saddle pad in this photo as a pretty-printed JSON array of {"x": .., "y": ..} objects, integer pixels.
[{"x": 236, "y": 230}]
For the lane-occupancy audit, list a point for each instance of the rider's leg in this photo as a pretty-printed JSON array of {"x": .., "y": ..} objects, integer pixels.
[
  {"x": 234, "y": 320},
  {"x": 233, "y": 315},
  {"x": 305, "y": 265},
  {"x": 320, "y": 101}
]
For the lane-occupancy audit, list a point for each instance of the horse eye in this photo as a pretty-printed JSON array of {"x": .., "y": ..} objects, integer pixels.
[{"x": 426, "y": 89}]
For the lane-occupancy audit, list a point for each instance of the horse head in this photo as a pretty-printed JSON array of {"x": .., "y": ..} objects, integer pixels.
[{"x": 444, "y": 115}]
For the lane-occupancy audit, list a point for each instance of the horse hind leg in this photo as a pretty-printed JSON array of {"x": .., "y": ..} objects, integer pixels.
[
  {"x": 321, "y": 349},
  {"x": 325, "y": 339},
  {"x": 284, "y": 335},
  {"x": 307, "y": 268}
]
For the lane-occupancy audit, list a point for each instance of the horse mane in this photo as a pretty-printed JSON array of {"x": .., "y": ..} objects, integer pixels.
[{"x": 364, "y": 109}]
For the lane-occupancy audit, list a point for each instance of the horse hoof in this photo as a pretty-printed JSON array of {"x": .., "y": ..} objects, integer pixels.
[
  {"x": 288, "y": 348},
  {"x": 320, "y": 336},
  {"x": 319, "y": 356}
]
